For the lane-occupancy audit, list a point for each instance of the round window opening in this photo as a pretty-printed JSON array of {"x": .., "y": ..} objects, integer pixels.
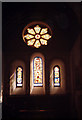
[{"x": 36, "y": 34}]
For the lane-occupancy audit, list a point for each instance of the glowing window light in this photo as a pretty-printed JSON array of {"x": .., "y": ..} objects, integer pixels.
[
  {"x": 31, "y": 31},
  {"x": 37, "y": 71},
  {"x": 28, "y": 36},
  {"x": 47, "y": 36},
  {"x": 37, "y": 36},
  {"x": 31, "y": 42},
  {"x": 56, "y": 76},
  {"x": 43, "y": 42},
  {"x": 37, "y": 44},
  {"x": 37, "y": 29},
  {"x": 43, "y": 31},
  {"x": 41, "y": 35},
  {"x": 19, "y": 77}
]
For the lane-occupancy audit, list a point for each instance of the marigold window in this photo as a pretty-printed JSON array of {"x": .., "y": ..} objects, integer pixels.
[
  {"x": 36, "y": 34},
  {"x": 19, "y": 76},
  {"x": 37, "y": 71},
  {"x": 56, "y": 74}
]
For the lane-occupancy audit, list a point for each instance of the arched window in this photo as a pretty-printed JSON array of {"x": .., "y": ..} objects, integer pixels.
[
  {"x": 56, "y": 76},
  {"x": 19, "y": 76},
  {"x": 37, "y": 71},
  {"x": 37, "y": 74}
]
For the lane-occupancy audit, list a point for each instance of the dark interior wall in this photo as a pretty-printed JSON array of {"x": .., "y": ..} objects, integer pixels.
[
  {"x": 63, "y": 45},
  {"x": 64, "y": 36},
  {"x": 75, "y": 76}
]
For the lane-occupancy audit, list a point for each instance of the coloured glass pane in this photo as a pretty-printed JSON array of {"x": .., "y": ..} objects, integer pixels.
[
  {"x": 37, "y": 29},
  {"x": 31, "y": 31},
  {"x": 19, "y": 76},
  {"x": 37, "y": 44},
  {"x": 43, "y": 31},
  {"x": 56, "y": 76},
  {"x": 47, "y": 36},
  {"x": 39, "y": 34},
  {"x": 56, "y": 69},
  {"x": 31, "y": 42},
  {"x": 37, "y": 71},
  {"x": 56, "y": 80},
  {"x": 28, "y": 36},
  {"x": 43, "y": 42}
]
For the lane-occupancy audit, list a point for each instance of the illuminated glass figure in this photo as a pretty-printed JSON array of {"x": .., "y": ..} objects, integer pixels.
[
  {"x": 19, "y": 77},
  {"x": 56, "y": 74},
  {"x": 37, "y": 71}
]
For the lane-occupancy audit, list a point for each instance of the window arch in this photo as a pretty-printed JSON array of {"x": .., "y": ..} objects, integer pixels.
[
  {"x": 19, "y": 76},
  {"x": 37, "y": 71},
  {"x": 37, "y": 74},
  {"x": 56, "y": 76}
]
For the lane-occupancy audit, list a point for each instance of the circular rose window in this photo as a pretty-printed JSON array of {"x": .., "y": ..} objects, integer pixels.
[{"x": 36, "y": 34}]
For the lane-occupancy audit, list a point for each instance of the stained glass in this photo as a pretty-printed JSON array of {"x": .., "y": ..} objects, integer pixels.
[
  {"x": 36, "y": 36},
  {"x": 28, "y": 36},
  {"x": 19, "y": 77},
  {"x": 43, "y": 42},
  {"x": 37, "y": 44},
  {"x": 37, "y": 71},
  {"x": 31, "y": 31},
  {"x": 31, "y": 42},
  {"x": 43, "y": 31},
  {"x": 56, "y": 74},
  {"x": 56, "y": 69},
  {"x": 37, "y": 29},
  {"x": 47, "y": 36}
]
